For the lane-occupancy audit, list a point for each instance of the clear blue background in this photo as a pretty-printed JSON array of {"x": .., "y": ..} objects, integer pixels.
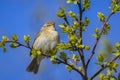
[{"x": 25, "y": 17}]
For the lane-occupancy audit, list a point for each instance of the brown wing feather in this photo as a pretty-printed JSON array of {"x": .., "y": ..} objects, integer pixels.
[{"x": 37, "y": 35}]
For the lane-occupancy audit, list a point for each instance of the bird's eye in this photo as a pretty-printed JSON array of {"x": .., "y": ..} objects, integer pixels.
[{"x": 48, "y": 25}]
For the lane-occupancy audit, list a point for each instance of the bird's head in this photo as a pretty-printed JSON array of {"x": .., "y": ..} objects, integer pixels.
[{"x": 49, "y": 25}]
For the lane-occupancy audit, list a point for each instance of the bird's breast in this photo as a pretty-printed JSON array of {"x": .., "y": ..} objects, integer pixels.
[{"x": 46, "y": 41}]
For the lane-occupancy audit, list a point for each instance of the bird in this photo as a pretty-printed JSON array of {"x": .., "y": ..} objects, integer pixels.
[{"x": 46, "y": 40}]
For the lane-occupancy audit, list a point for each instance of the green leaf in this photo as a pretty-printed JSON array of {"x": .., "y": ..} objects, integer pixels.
[
  {"x": 61, "y": 13},
  {"x": 13, "y": 45},
  {"x": 35, "y": 52},
  {"x": 14, "y": 37},
  {"x": 72, "y": 1},
  {"x": 69, "y": 46},
  {"x": 113, "y": 78},
  {"x": 106, "y": 29},
  {"x": 96, "y": 30},
  {"x": 75, "y": 25},
  {"x": 86, "y": 4},
  {"x": 52, "y": 58},
  {"x": 61, "y": 47},
  {"x": 100, "y": 59},
  {"x": 115, "y": 6},
  {"x": 80, "y": 68},
  {"x": 69, "y": 68},
  {"x": 87, "y": 47},
  {"x": 63, "y": 56},
  {"x": 5, "y": 38},
  {"x": 101, "y": 76},
  {"x": 66, "y": 46},
  {"x": 117, "y": 45},
  {"x": 109, "y": 73},
  {"x": 73, "y": 15},
  {"x": 113, "y": 66},
  {"x": 86, "y": 21},
  {"x": 62, "y": 26},
  {"x": 82, "y": 46},
  {"x": 2, "y": 43},
  {"x": 52, "y": 52},
  {"x": 72, "y": 38},
  {"x": 75, "y": 58},
  {"x": 55, "y": 62},
  {"x": 96, "y": 35},
  {"x": 78, "y": 44},
  {"x": 115, "y": 2},
  {"x": 4, "y": 49},
  {"x": 26, "y": 38},
  {"x": 66, "y": 29},
  {"x": 116, "y": 53},
  {"x": 101, "y": 16}
]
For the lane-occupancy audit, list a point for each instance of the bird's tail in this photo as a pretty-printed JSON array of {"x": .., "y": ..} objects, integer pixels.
[{"x": 34, "y": 65}]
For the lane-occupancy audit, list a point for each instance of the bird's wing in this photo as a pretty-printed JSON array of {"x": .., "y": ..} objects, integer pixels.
[
  {"x": 37, "y": 35},
  {"x": 58, "y": 38}
]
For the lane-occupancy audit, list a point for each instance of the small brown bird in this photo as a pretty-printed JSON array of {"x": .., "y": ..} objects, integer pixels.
[{"x": 46, "y": 40}]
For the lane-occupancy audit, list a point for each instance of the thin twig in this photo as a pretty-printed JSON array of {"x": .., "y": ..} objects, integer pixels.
[
  {"x": 19, "y": 44},
  {"x": 80, "y": 17},
  {"x": 97, "y": 40},
  {"x": 66, "y": 20},
  {"x": 66, "y": 63},
  {"x": 83, "y": 63},
  {"x": 73, "y": 67},
  {"x": 103, "y": 68}
]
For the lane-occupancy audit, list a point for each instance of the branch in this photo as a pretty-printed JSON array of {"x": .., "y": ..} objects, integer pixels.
[
  {"x": 80, "y": 51},
  {"x": 19, "y": 44},
  {"x": 66, "y": 63},
  {"x": 60, "y": 61},
  {"x": 83, "y": 63},
  {"x": 97, "y": 40},
  {"x": 66, "y": 20},
  {"x": 73, "y": 67},
  {"x": 80, "y": 17},
  {"x": 103, "y": 68}
]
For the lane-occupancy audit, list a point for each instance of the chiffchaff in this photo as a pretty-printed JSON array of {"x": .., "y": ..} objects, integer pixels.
[{"x": 46, "y": 40}]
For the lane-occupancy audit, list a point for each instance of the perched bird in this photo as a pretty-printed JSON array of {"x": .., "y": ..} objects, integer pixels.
[{"x": 46, "y": 40}]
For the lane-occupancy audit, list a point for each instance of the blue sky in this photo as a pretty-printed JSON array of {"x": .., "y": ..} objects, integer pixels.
[{"x": 25, "y": 17}]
